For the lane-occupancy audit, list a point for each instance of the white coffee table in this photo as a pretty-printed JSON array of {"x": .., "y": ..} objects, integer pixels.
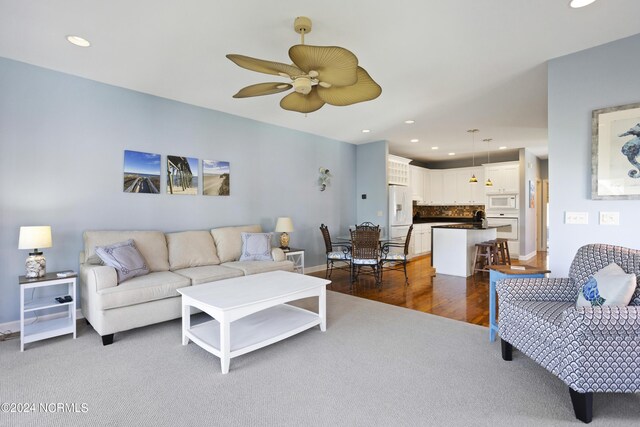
[{"x": 250, "y": 312}]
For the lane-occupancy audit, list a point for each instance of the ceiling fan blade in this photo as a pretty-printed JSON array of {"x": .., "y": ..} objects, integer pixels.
[
  {"x": 262, "y": 89},
  {"x": 364, "y": 90},
  {"x": 335, "y": 65},
  {"x": 302, "y": 103},
  {"x": 262, "y": 66}
]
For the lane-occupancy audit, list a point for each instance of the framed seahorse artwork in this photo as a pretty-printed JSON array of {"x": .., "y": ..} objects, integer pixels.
[{"x": 615, "y": 154}]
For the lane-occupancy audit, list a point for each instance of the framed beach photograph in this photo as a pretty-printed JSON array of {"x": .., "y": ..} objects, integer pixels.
[
  {"x": 615, "y": 155},
  {"x": 215, "y": 178},
  {"x": 141, "y": 172},
  {"x": 182, "y": 175}
]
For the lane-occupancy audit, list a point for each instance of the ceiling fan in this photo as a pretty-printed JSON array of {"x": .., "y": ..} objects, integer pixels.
[{"x": 319, "y": 75}]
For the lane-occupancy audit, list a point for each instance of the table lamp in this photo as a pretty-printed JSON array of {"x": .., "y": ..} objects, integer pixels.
[
  {"x": 33, "y": 238},
  {"x": 284, "y": 225}
]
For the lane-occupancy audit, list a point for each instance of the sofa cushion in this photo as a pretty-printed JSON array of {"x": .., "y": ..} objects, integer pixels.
[
  {"x": 151, "y": 244},
  {"x": 209, "y": 273},
  {"x": 125, "y": 258},
  {"x": 191, "y": 249},
  {"x": 256, "y": 247},
  {"x": 608, "y": 286},
  {"x": 255, "y": 267},
  {"x": 229, "y": 242},
  {"x": 153, "y": 286}
]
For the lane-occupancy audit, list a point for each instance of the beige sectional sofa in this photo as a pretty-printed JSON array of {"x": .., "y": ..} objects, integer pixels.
[{"x": 175, "y": 260}]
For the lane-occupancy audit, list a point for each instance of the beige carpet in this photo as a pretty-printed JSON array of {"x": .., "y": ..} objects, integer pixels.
[{"x": 375, "y": 365}]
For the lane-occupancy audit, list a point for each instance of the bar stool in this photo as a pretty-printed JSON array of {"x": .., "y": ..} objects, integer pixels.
[
  {"x": 486, "y": 255},
  {"x": 503, "y": 250}
]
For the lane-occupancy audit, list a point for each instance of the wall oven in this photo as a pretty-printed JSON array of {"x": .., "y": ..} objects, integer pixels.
[
  {"x": 507, "y": 226},
  {"x": 501, "y": 202}
]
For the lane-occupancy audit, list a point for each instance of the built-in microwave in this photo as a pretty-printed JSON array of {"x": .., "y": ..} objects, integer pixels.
[{"x": 502, "y": 201}]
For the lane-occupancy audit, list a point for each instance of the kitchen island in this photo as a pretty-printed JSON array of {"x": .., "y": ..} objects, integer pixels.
[{"x": 453, "y": 247}]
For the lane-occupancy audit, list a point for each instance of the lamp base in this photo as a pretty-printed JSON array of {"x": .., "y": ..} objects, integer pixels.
[
  {"x": 36, "y": 265},
  {"x": 284, "y": 241}
]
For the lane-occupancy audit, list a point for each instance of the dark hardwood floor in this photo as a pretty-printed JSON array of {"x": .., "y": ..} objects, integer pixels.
[{"x": 458, "y": 298}]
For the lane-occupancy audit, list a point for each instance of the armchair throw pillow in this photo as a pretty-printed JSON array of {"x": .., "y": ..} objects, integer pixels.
[
  {"x": 608, "y": 286},
  {"x": 125, "y": 258},
  {"x": 256, "y": 247}
]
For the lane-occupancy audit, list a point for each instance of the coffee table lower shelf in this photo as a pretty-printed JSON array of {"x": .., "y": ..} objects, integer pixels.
[{"x": 254, "y": 331}]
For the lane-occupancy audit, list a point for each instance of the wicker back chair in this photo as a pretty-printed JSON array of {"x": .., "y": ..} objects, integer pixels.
[
  {"x": 365, "y": 252},
  {"x": 368, "y": 226},
  {"x": 335, "y": 252},
  {"x": 395, "y": 259}
]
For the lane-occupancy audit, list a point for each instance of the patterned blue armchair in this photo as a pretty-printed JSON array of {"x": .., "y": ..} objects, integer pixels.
[{"x": 591, "y": 349}]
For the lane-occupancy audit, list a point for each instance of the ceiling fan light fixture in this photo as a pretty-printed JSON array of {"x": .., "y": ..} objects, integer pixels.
[{"x": 302, "y": 85}]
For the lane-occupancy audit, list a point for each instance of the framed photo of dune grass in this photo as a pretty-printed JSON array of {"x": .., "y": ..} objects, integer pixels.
[
  {"x": 215, "y": 178},
  {"x": 615, "y": 153}
]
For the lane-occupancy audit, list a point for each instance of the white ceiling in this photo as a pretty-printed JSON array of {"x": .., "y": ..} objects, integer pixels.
[{"x": 448, "y": 65}]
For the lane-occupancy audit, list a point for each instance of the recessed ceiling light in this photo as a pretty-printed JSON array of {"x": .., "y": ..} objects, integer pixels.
[
  {"x": 434, "y": 148},
  {"x": 580, "y": 3},
  {"x": 415, "y": 140},
  {"x": 409, "y": 122},
  {"x": 366, "y": 130},
  {"x": 78, "y": 41},
  {"x": 452, "y": 154},
  {"x": 502, "y": 148}
]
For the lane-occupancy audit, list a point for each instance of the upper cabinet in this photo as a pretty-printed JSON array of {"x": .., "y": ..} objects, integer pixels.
[
  {"x": 505, "y": 177},
  {"x": 417, "y": 183},
  {"x": 398, "y": 170},
  {"x": 447, "y": 186}
]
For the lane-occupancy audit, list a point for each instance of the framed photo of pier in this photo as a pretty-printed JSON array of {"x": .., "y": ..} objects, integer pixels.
[
  {"x": 141, "y": 172},
  {"x": 215, "y": 178},
  {"x": 615, "y": 153},
  {"x": 182, "y": 175}
]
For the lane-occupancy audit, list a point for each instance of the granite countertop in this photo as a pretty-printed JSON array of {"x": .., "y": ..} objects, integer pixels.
[
  {"x": 462, "y": 219},
  {"x": 468, "y": 226}
]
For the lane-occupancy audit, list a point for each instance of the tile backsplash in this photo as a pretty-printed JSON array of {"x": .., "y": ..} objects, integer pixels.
[{"x": 445, "y": 211}]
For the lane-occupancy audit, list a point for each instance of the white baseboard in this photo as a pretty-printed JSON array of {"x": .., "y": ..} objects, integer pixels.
[
  {"x": 315, "y": 269},
  {"x": 14, "y": 326},
  {"x": 527, "y": 256}
]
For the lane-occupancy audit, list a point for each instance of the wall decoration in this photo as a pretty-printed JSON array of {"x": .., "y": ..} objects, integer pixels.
[
  {"x": 141, "y": 172},
  {"x": 532, "y": 194},
  {"x": 182, "y": 175},
  {"x": 615, "y": 162},
  {"x": 215, "y": 178},
  {"x": 324, "y": 179}
]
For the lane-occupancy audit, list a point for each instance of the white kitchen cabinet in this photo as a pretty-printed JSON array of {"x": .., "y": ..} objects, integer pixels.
[
  {"x": 449, "y": 186},
  {"x": 436, "y": 190},
  {"x": 398, "y": 170},
  {"x": 505, "y": 177},
  {"x": 417, "y": 183},
  {"x": 467, "y": 193}
]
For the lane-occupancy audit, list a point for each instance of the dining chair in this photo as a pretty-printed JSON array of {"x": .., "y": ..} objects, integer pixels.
[
  {"x": 365, "y": 252},
  {"x": 395, "y": 259},
  {"x": 368, "y": 226},
  {"x": 335, "y": 252}
]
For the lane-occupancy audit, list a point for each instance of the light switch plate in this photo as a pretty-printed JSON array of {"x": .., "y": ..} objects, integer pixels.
[
  {"x": 576, "y": 217},
  {"x": 609, "y": 218}
]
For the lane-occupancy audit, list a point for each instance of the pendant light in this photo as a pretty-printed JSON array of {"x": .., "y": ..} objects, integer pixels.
[
  {"x": 488, "y": 182},
  {"x": 473, "y": 179}
]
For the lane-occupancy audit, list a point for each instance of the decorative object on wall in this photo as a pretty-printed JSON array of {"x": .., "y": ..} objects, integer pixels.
[
  {"x": 284, "y": 225},
  {"x": 615, "y": 153},
  {"x": 182, "y": 175},
  {"x": 215, "y": 178},
  {"x": 34, "y": 238},
  {"x": 141, "y": 172},
  {"x": 473, "y": 179},
  {"x": 532, "y": 194},
  {"x": 488, "y": 182},
  {"x": 318, "y": 75},
  {"x": 324, "y": 179}
]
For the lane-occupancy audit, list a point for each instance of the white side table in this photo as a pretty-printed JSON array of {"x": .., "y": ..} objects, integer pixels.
[
  {"x": 42, "y": 329},
  {"x": 297, "y": 256}
]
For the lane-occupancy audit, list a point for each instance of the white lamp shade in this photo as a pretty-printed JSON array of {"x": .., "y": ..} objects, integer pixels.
[
  {"x": 284, "y": 225},
  {"x": 35, "y": 237}
]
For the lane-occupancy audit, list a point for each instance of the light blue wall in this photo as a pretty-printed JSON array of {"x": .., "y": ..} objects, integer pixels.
[
  {"x": 371, "y": 160},
  {"x": 603, "y": 76},
  {"x": 62, "y": 141}
]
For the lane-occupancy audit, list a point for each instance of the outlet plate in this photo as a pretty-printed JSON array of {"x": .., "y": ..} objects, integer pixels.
[
  {"x": 576, "y": 217},
  {"x": 609, "y": 218}
]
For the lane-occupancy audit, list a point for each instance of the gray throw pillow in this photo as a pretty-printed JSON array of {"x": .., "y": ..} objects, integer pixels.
[
  {"x": 125, "y": 258},
  {"x": 256, "y": 247}
]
